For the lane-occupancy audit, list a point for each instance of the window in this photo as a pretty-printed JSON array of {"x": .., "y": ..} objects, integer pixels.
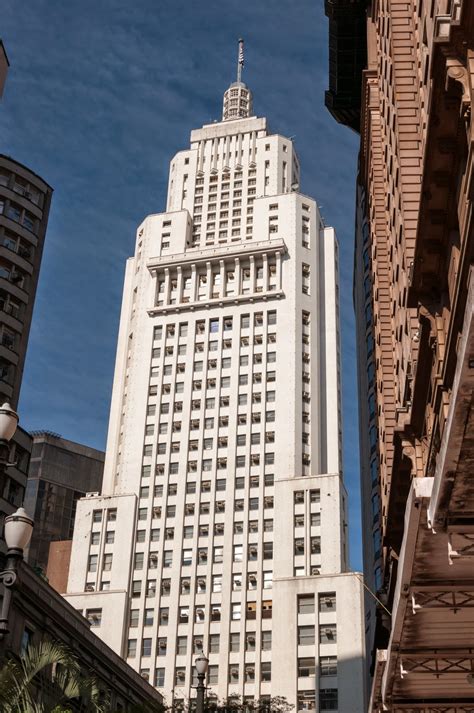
[
  {"x": 306, "y": 667},
  {"x": 236, "y": 612},
  {"x": 328, "y": 699},
  {"x": 136, "y": 588},
  {"x": 306, "y": 701},
  {"x": 238, "y": 553},
  {"x": 163, "y": 616},
  {"x": 233, "y": 673},
  {"x": 95, "y": 538},
  {"x": 327, "y": 633},
  {"x": 94, "y": 617},
  {"x": 306, "y": 604},
  {"x": 328, "y": 665},
  {"x": 160, "y": 677},
  {"x": 131, "y": 648},
  {"x": 97, "y": 516},
  {"x": 212, "y": 674},
  {"x": 146, "y": 647},
  {"x": 179, "y": 676},
  {"x": 306, "y": 635},
  {"x": 218, "y": 554},
  {"x": 268, "y": 550},
  {"x": 315, "y": 496},
  {"x": 139, "y": 559},
  {"x": 213, "y": 647},
  {"x": 266, "y": 671},
  {"x": 266, "y": 640},
  {"x": 267, "y": 580},
  {"x": 181, "y": 644},
  {"x": 327, "y": 602},
  {"x": 92, "y": 563},
  {"x": 151, "y": 588}
]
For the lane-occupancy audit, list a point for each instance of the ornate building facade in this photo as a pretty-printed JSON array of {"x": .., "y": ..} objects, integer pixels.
[{"x": 414, "y": 306}]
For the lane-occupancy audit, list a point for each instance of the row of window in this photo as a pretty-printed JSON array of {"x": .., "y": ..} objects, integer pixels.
[
  {"x": 206, "y": 485},
  {"x": 204, "y": 508},
  {"x": 208, "y": 423},
  {"x": 221, "y": 463},
  {"x": 214, "y": 325},
  {"x": 250, "y": 638},
  {"x": 20, "y": 186},
  {"x": 208, "y": 442},
  {"x": 204, "y": 529}
]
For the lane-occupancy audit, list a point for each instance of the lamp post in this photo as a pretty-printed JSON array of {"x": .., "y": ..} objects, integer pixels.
[
  {"x": 8, "y": 424},
  {"x": 18, "y": 531},
  {"x": 201, "y": 664}
]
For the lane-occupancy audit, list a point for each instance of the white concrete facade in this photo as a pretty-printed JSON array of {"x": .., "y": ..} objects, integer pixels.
[{"x": 222, "y": 524}]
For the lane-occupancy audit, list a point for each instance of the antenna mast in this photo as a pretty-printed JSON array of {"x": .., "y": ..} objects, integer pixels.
[{"x": 240, "y": 62}]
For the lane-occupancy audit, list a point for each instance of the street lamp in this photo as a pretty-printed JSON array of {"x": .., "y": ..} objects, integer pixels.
[
  {"x": 201, "y": 664},
  {"x": 18, "y": 531},
  {"x": 8, "y": 424}
]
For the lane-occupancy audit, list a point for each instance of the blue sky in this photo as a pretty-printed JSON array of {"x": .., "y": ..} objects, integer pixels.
[{"x": 100, "y": 95}]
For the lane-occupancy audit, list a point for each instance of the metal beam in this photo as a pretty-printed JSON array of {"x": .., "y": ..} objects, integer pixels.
[
  {"x": 434, "y": 600},
  {"x": 436, "y": 665}
]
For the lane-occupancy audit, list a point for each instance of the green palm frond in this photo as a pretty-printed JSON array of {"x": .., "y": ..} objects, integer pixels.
[{"x": 46, "y": 678}]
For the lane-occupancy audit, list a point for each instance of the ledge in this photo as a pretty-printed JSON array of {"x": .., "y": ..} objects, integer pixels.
[
  {"x": 217, "y": 302},
  {"x": 219, "y": 253}
]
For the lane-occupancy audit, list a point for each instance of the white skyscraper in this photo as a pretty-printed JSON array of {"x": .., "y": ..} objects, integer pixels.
[{"x": 222, "y": 523}]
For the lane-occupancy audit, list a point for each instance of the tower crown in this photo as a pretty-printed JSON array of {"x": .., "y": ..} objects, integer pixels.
[{"x": 237, "y": 102}]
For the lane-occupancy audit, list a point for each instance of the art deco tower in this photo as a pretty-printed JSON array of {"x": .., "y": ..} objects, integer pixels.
[{"x": 222, "y": 522}]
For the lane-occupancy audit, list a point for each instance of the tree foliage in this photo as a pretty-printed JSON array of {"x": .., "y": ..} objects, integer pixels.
[
  {"x": 232, "y": 704},
  {"x": 46, "y": 677}
]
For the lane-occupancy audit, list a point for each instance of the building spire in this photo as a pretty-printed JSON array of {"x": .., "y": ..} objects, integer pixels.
[
  {"x": 240, "y": 61},
  {"x": 238, "y": 98}
]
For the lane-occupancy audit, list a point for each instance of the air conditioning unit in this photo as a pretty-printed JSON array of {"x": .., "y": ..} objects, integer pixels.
[
  {"x": 329, "y": 633},
  {"x": 90, "y": 588},
  {"x": 328, "y": 601},
  {"x": 251, "y": 639},
  {"x": 252, "y": 578},
  {"x": 198, "y": 644},
  {"x": 234, "y": 673},
  {"x": 253, "y": 550},
  {"x": 162, "y": 644},
  {"x": 164, "y": 616},
  {"x": 92, "y": 495},
  {"x": 314, "y": 570},
  {"x": 181, "y": 675}
]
